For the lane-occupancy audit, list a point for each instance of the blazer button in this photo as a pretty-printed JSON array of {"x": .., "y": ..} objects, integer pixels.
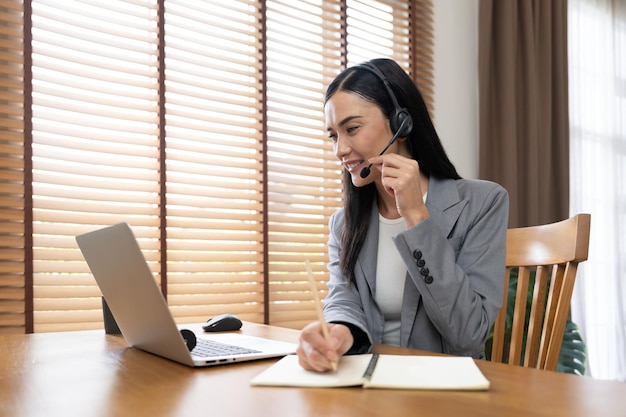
[
  {"x": 417, "y": 254},
  {"x": 421, "y": 263},
  {"x": 428, "y": 279},
  {"x": 424, "y": 271}
]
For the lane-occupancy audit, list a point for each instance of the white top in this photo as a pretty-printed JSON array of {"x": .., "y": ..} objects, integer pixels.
[{"x": 390, "y": 277}]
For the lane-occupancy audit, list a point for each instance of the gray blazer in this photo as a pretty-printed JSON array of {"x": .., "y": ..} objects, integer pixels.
[{"x": 455, "y": 260}]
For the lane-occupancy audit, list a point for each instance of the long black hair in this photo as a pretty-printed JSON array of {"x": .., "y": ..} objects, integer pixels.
[{"x": 423, "y": 142}]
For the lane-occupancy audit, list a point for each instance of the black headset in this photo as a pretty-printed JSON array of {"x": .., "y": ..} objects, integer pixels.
[{"x": 400, "y": 120}]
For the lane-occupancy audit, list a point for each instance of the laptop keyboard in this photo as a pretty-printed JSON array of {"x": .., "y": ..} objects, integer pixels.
[{"x": 206, "y": 347}]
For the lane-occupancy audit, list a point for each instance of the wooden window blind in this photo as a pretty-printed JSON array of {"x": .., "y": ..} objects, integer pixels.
[
  {"x": 379, "y": 29},
  {"x": 95, "y": 145},
  {"x": 198, "y": 123},
  {"x": 423, "y": 43},
  {"x": 214, "y": 159},
  {"x": 12, "y": 169},
  {"x": 304, "y": 186}
]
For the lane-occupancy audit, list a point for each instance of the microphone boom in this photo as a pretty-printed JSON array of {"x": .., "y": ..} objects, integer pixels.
[{"x": 366, "y": 170}]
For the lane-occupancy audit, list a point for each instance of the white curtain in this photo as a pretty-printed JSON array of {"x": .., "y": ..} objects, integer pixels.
[{"x": 597, "y": 95}]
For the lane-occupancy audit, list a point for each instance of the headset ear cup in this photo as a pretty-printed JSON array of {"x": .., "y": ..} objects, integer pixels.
[
  {"x": 401, "y": 122},
  {"x": 400, "y": 119}
]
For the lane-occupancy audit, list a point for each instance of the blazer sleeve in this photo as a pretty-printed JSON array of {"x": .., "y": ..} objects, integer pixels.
[
  {"x": 460, "y": 275},
  {"x": 342, "y": 303}
]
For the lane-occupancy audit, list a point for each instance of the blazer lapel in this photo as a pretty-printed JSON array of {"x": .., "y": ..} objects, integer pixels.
[{"x": 444, "y": 203}]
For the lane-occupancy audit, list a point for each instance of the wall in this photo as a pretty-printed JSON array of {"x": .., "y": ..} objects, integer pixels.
[{"x": 456, "y": 81}]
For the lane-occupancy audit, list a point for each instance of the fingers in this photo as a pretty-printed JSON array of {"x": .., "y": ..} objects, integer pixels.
[
  {"x": 395, "y": 166},
  {"x": 312, "y": 359},
  {"x": 316, "y": 353},
  {"x": 398, "y": 174},
  {"x": 400, "y": 178}
]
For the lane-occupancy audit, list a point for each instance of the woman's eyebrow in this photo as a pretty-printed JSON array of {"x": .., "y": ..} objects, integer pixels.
[{"x": 346, "y": 121}]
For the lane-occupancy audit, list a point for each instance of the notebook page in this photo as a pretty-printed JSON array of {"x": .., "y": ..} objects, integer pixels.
[
  {"x": 287, "y": 372},
  {"x": 427, "y": 372}
]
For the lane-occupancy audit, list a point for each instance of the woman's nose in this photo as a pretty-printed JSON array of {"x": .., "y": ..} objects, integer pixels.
[{"x": 341, "y": 148}]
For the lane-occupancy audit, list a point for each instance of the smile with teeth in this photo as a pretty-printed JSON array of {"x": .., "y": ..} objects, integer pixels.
[{"x": 353, "y": 165}]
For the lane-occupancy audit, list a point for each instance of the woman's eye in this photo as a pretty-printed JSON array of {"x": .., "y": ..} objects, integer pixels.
[
  {"x": 352, "y": 129},
  {"x": 333, "y": 137}
]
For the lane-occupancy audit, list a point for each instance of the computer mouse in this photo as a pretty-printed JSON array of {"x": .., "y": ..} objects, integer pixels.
[{"x": 222, "y": 323}]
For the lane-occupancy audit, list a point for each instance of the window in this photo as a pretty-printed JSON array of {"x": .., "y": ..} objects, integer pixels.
[
  {"x": 597, "y": 103},
  {"x": 198, "y": 123}
]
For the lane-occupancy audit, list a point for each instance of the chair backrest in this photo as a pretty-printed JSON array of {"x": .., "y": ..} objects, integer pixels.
[{"x": 551, "y": 253}]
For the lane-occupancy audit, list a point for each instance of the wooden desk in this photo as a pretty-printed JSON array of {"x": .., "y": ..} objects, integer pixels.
[{"x": 90, "y": 374}]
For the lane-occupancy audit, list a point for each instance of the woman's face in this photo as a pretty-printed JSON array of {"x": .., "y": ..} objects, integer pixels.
[{"x": 359, "y": 131}]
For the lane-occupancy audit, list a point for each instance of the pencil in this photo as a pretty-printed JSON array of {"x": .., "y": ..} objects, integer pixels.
[{"x": 318, "y": 306}]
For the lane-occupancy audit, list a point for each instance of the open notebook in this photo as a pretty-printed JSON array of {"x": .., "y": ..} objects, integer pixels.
[
  {"x": 142, "y": 314},
  {"x": 381, "y": 371}
]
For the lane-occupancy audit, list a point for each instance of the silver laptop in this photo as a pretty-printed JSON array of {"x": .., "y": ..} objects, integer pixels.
[{"x": 142, "y": 314}]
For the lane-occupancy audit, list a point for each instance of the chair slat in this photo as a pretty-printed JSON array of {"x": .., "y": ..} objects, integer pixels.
[
  {"x": 499, "y": 326},
  {"x": 519, "y": 317},
  {"x": 563, "y": 308},
  {"x": 535, "y": 322}
]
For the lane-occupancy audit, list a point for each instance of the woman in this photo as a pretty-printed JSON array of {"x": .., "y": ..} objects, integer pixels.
[{"x": 416, "y": 253}]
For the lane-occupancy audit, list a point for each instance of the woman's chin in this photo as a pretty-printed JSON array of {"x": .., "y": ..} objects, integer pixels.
[{"x": 358, "y": 180}]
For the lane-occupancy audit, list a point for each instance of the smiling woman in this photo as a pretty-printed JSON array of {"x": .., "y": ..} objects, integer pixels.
[
  {"x": 199, "y": 124},
  {"x": 417, "y": 253}
]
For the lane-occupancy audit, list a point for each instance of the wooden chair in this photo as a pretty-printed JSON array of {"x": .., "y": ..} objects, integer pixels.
[{"x": 552, "y": 252}]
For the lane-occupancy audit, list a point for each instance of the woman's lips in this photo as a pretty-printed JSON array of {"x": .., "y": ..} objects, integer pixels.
[{"x": 352, "y": 165}]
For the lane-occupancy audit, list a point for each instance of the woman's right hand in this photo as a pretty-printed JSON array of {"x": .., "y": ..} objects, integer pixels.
[{"x": 316, "y": 353}]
